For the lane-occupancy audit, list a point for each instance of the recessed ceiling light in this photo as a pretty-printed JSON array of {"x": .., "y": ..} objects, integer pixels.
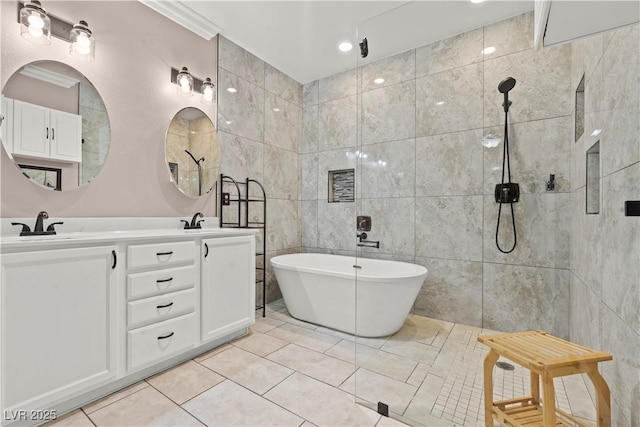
[
  {"x": 232, "y": 89},
  {"x": 596, "y": 132},
  {"x": 476, "y": 1},
  {"x": 379, "y": 81},
  {"x": 440, "y": 103},
  {"x": 276, "y": 109},
  {"x": 345, "y": 46},
  {"x": 489, "y": 50}
]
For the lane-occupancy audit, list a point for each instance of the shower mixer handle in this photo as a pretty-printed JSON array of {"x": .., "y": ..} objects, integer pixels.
[{"x": 363, "y": 242}]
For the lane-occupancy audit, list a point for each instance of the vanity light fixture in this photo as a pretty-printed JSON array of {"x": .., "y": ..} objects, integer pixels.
[
  {"x": 208, "y": 92},
  {"x": 82, "y": 43},
  {"x": 184, "y": 80},
  {"x": 38, "y": 26},
  {"x": 35, "y": 24}
]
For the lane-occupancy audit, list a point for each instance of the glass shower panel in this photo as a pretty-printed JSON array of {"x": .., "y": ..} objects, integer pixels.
[{"x": 393, "y": 346}]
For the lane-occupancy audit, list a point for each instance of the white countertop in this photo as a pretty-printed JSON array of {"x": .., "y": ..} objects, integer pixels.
[{"x": 84, "y": 231}]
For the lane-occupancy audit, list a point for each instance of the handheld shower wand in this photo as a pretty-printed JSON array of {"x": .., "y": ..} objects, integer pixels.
[
  {"x": 199, "y": 171},
  {"x": 508, "y": 192}
]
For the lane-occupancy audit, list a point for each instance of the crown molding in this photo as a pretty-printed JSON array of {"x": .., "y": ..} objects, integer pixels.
[
  {"x": 182, "y": 14},
  {"x": 48, "y": 76}
]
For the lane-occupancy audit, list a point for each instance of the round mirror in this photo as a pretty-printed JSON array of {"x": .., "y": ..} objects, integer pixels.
[
  {"x": 192, "y": 152},
  {"x": 55, "y": 125}
]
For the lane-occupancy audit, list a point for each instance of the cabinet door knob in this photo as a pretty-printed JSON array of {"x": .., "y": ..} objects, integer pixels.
[{"x": 166, "y": 336}]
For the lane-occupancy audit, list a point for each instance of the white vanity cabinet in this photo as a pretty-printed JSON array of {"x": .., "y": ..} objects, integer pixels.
[
  {"x": 161, "y": 301},
  {"x": 84, "y": 316},
  {"x": 46, "y": 133},
  {"x": 58, "y": 324},
  {"x": 228, "y": 285}
]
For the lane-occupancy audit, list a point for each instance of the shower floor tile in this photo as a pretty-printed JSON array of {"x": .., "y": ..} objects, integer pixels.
[{"x": 289, "y": 372}]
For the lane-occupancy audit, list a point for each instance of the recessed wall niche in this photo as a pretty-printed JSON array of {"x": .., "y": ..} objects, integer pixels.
[
  {"x": 593, "y": 179},
  {"x": 580, "y": 109},
  {"x": 341, "y": 186}
]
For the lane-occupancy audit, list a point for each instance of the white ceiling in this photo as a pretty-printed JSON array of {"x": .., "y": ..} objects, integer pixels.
[{"x": 300, "y": 37}]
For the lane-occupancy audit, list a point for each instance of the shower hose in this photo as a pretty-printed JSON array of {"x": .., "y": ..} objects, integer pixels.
[{"x": 506, "y": 160}]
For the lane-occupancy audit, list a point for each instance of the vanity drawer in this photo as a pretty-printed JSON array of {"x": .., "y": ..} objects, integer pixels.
[
  {"x": 160, "y": 254},
  {"x": 160, "y": 341},
  {"x": 152, "y": 283},
  {"x": 162, "y": 307}
]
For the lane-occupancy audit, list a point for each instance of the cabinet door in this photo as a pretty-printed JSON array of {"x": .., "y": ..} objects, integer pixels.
[
  {"x": 30, "y": 129},
  {"x": 6, "y": 128},
  {"x": 66, "y": 136},
  {"x": 228, "y": 285},
  {"x": 58, "y": 316}
]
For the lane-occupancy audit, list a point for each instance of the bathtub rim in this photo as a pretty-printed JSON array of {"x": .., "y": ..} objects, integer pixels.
[{"x": 422, "y": 270}]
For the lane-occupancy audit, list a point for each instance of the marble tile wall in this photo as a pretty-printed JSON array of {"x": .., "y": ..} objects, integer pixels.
[
  {"x": 605, "y": 248},
  {"x": 426, "y": 179},
  {"x": 260, "y": 127}
]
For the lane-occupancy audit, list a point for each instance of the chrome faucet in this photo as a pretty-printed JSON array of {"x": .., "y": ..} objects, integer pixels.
[
  {"x": 38, "y": 229},
  {"x": 195, "y": 223}
]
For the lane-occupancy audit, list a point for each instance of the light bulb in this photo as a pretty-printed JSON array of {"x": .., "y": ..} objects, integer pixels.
[
  {"x": 35, "y": 31},
  {"x": 81, "y": 48},
  {"x": 35, "y": 21},
  {"x": 83, "y": 40},
  {"x": 208, "y": 93}
]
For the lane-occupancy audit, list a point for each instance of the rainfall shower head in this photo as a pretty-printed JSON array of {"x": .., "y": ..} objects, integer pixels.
[{"x": 504, "y": 87}]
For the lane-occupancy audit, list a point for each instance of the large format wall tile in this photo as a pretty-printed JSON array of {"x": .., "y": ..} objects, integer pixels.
[
  {"x": 453, "y": 52},
  {"x": 241, "y": 158},
  {"x": 240, "y": 62},
  {"x": 449, "y": 101},
  {"x": 395, "y": 177},
  {"x": 395, "y": 69},
  {"x": 623, "y": 373},
  {"x": 584, "y": 309},
  {"x": 392, "y": 224},
  {"x": 449, "y": 227},
  {"x": 388, "y": 114},
  {"x": 621, "y": 62},
  {"x": 510, "y": 35},
  {"x": 242, "y": 112},
  {"x": 338, "y": 86},
  {"x": 336, "y": 225},
  {"x": 309, "y": 142},
  {"x": 310, "y": 93},
  {"x": 309, "y": 182},
  {"x": 620, "y": 139},
  {"x": 449, "y": 164},
  {"x": 337, "y": 124},
  {"x": 621, "y": 246},
  {"x": 282, "y": 224},
  {"x": 537, "y": 149},
  {"x": 542, "y": 87},
  {"x": 585, "y": 55},
  {"x": 278, "y": 83},
  {"x": 281, "y": 123},
  {"x": 542, "y": 226},
  {"x": 309, "y": 223},
  {"x": 519, "y": 298},
  {"x": 452, "y": 291},
  {"x": 281, "y": 173},
  {"x": 586, "y": 245}
]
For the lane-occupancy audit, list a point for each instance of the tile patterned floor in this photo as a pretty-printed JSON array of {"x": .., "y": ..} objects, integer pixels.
[{"x": 291, "y": 373}]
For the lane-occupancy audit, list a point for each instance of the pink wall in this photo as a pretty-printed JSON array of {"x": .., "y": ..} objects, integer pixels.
[{"x": 135, "y": 50}]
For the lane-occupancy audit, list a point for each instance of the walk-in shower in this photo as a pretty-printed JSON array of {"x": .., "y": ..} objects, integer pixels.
[{"x": 506, "y": 192}]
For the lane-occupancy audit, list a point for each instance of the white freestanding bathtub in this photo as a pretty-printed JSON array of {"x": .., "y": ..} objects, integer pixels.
[{"x": 321, "y": 289}]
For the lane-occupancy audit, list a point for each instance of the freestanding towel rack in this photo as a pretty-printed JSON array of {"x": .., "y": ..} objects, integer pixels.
[{"x": 239, "y": 196}]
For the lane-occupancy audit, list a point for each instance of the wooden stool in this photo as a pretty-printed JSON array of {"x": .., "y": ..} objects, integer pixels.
[{"x": 547, "y": 356}]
